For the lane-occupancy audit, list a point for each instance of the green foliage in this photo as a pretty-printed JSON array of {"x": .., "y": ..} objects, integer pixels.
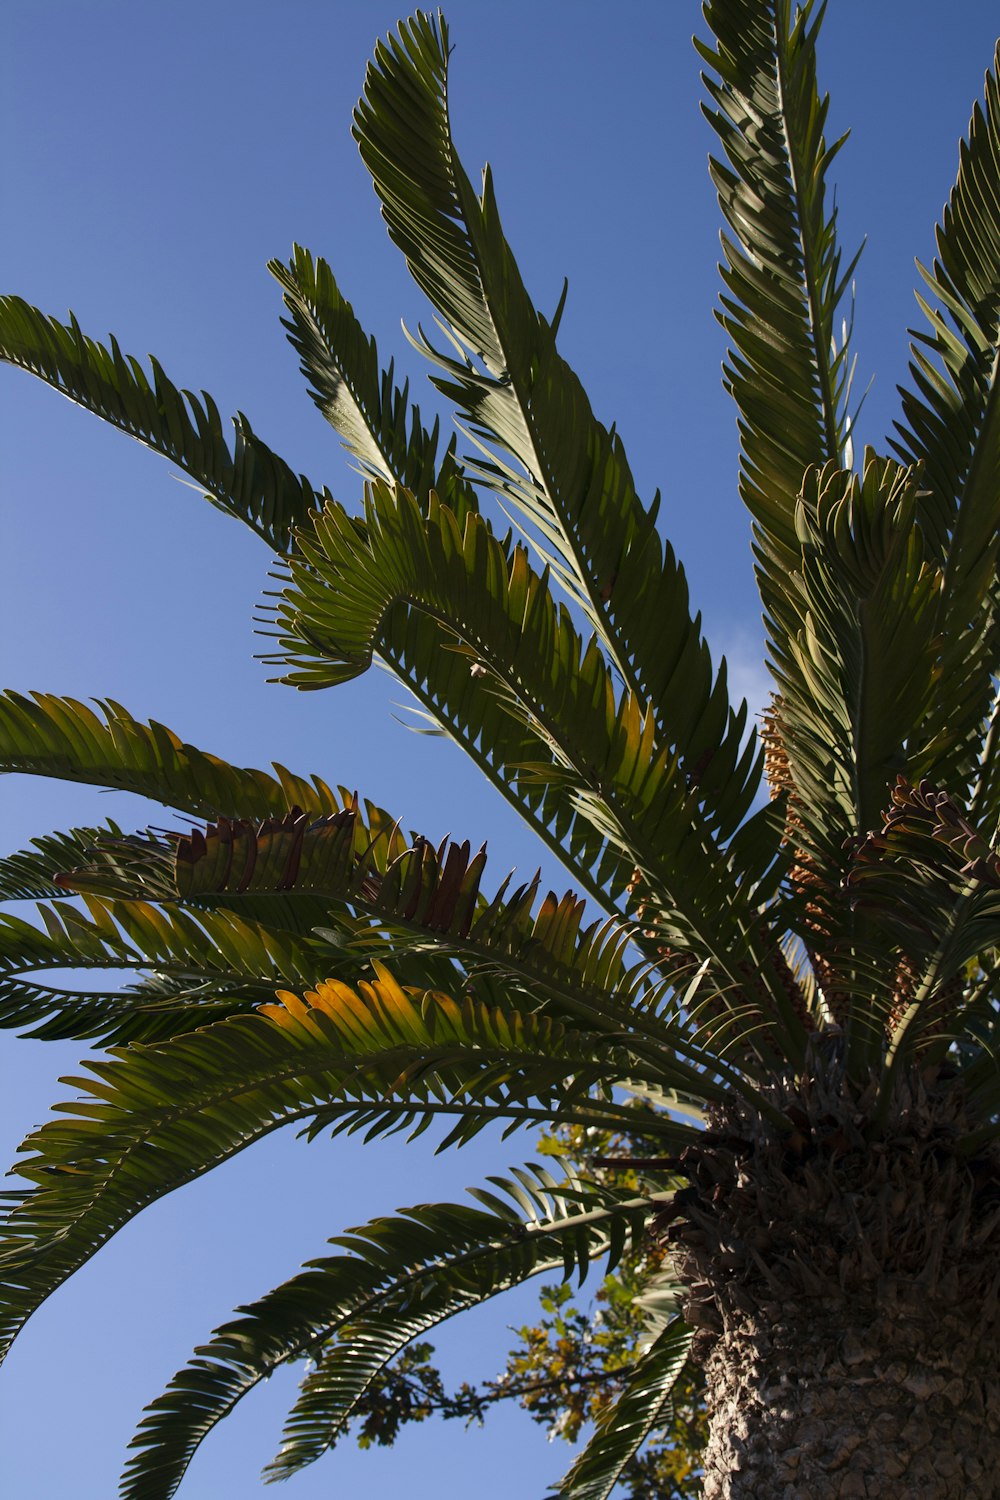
[
  {"x": 567, "y": 1376},
  {"x": 295, "y": 957},
  {"x": 353, "y": 1312},
  {"x": 568, "y": 1370}
]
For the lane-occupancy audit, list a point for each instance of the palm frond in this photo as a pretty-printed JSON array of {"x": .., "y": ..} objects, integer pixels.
[
  {"x": 55, "y": 735},
  {"x": 434, "y": 892},
  {"x": 428, "y": 901},
  {"x": 373, "y": 420},
  {"x": 241, "y": 475},
  {"x": 859, "y": 667},
  {"x": 933, "y": 881},
  {"x": 362, "y": 403},
  {"x": 60, "y": 737},
  {"x": 643, "y": 1405},
  {"x": 29, "y": 874},
  {"x": 46, "y": 735},
  {"x": 859, "y": 659},
  {"x": 158, "y": 1116},
  {"x": 190, "y": 968},
  {"x": 631, "y": 788},
  {"x": 565, "y": 472},
  {"x": 253, "y": 484},
  {"x": 951, "y": 426},
  {"x": 951, "y": 422},
  {"x": 788, "y": 369},
  {"x": 437, "y": 669},
  {"x": 353, "y": 1312}
]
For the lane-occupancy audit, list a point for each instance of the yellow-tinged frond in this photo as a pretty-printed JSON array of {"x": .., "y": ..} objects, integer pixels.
[
  {"x": 387, "y": 988},
  {"x": 291, "y": 1005}
]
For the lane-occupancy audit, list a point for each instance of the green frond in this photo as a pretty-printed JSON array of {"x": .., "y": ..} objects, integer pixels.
[
  {"x": 371, "y": 419},
  {"x": 643, "y": 1405},
  {"x": 46, "y": 735},
  {"x": 858, "y": 665},
  {"x": 438, "y": 670},
  {"x": 158, "y": 1116},
  {"x": 242, "y": 475},
  {"x": 859, "y": 677},
  {"x": 30, "y": 874},
  {"x": 330, "y": 619},
  {"x": 254, "y": 485},
  {"x": 430, "y": 902},
  {"x": 190, "y": 968},
  {"x": 932, "y": 881},
  {"x": 434, "y": 892},
  {"x": 788, "y": 368},
  {"x": 951, "y": 426},
  {"x": 565, "y": 472},
  {"x": 351, "y": 1313},
  {"x": 370, "y": 414},
  {"x": 631, "y": 788},
  {"x": 61, "y": 737},
  {"x": 951, "y": 422}
]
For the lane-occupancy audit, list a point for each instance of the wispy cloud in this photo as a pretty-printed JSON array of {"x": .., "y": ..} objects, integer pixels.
[{"x": 749, "y": 678}]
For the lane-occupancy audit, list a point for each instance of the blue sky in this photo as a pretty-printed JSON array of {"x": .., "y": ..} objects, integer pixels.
[{"x": 153, "y": 159}]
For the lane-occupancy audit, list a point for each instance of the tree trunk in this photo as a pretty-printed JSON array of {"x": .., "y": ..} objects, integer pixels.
[
  {"x": 845, "y": 1288},
  {"x": 895, "y": 1400}
]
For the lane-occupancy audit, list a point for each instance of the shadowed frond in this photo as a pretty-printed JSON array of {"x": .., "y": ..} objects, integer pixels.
[
  {"x": 375, "y": 423},
  {"x": 190, "y": 968},
  {"x": 951, "y": 426},
  {"x": 431, "y": 891},
  {"x": 933, "y": 881},
  {"x": 951, "y": 422},
  {"x": 855, "y": 650},
  {"x": 348, "y": 579},
  {"x": 788, "y": 368},
  {"x": 428, "y": 901},
  {"x": 351, "y": 1313},
  {"x": 361, "y": 402},
  {"x": 643, "y": 1406},
  {"x": 29, "y": 874},
  {"x": 605, "y": 752},
  {"x": 373, "y": 420},
  {"x": 158, "y": 1116}
]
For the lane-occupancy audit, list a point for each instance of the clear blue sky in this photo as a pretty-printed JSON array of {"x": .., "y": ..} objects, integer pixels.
[{"x": 153, "y": 158}]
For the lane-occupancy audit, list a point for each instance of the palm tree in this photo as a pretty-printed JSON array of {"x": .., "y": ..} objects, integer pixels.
[{"x": 791, "y": 1000}]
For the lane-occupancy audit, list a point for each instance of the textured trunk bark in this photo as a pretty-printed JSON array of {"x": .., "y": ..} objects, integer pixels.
[
  {"x": 847, "y": 1296},
  {"x": 901, "y": 1405}
]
